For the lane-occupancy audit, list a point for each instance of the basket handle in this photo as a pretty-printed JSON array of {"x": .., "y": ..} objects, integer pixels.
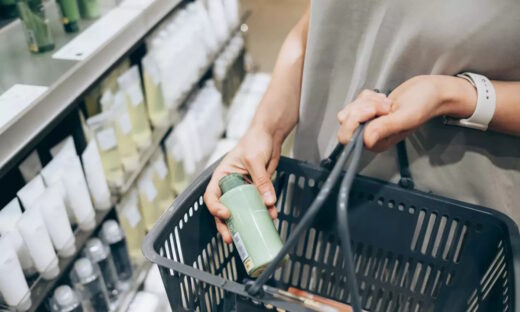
[{"x": 254, "y": 288}]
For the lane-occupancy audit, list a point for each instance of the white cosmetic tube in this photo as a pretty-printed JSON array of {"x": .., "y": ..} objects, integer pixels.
[
  {"x": 13, "y": 285},
  {"x": 34, "y": 233},
  {"x": 9, "y": 216},
  {"x": 31, "y": 191},
  {"x": 54, "y": 214},
  {"x": 77, "y": 192},
  {"x": 97, "y": 183}
]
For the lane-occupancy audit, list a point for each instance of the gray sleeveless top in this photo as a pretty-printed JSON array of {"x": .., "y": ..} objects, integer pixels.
[{"x": 353, "y": 45}]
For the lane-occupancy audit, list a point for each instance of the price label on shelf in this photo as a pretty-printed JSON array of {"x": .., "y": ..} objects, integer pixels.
[
  {"x": 16, "y": 99},
  {"x": 97, "y": 35}
]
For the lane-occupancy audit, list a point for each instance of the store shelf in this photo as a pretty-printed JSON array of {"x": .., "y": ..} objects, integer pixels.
[
  {"x": 159, "y": 134},
  {"x": 40, "y": 288},
  {"x": 66, "y": 79},
  {"x": 139, "y": 277}
]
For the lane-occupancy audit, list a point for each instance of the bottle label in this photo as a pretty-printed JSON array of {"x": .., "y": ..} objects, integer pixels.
[
  {"x": 240, "y": 247},
  {"x": 132, "y": 214},
  {"x": 136, "y": 96},
  {"x": 149, "y": 190},
  {"x": 124, "y": 123},
  {"x": 160, "y": 168},
  {"x": 106, "y": 139}
]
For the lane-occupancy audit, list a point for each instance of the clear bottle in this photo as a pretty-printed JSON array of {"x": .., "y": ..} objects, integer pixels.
[
  {"x": 132, "y": 223},
  {"x": 130, "y": 83},
  {"x": 89, "y": 284},
  {"x": 102, "y": 127},
  {"x": 114, "y": 237},
  {"x": 99, "y": 254},
  {"x": 123, "y": 125},
  {"x": 65, "y": 300},
  {"x": 36, "y": 24},
  {"x": 147, "y": 198}
]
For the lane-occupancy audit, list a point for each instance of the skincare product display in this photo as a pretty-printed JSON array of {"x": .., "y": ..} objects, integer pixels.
[
  {"x": 114, "y": 237},
  {"x": 98, "y": 173},
  {"x": 132, "y": 223},
  {"x": 88, "y": 282}
]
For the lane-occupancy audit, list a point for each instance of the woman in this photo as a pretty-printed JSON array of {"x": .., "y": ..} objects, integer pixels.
[{"x": 340, "y": 50}]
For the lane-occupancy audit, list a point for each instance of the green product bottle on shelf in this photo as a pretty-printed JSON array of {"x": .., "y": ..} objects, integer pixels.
[
  {"x": 69, "y": 15},
  {"x": 36, "y": 24},
  {"x": 89, "y": 9},
  {"x": 8, "y": 9},
  {"x": 254, "y": 234}
]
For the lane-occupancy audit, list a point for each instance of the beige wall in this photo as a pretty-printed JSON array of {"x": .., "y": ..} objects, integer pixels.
[{"x": 269, "y": 23}]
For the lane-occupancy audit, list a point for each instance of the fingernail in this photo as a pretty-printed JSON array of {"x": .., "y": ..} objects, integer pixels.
[{"x": 268, "y": 197}]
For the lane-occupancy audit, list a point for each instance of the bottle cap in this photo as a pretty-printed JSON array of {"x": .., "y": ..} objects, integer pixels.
[
  {"x": 111, "y": 232},
  {"x": 230, "y": 181},
  {"x": 84, "y": 269},
  {"x": 65, "y": 297},
  {"x": 95, "y": 250},
  {"x": 69, "y": 249}
]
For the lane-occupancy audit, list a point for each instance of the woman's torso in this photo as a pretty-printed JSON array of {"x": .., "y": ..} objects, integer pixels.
[{"x": 354, "y": 45}]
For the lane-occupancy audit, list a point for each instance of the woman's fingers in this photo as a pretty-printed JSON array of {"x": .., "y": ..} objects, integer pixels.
[
  {"x": 211, "y": 198},
  {"x": 223, "y": 230},
  {"x": 361, "y": 110}
]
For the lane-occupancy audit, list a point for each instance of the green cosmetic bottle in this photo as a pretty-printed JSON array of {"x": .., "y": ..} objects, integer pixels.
[
  {"x": 254, "y": 234},
  {"x": 89, "y": 9},
  {"x": 69, "y": 15},
  {"x": 36, "y": 24}
]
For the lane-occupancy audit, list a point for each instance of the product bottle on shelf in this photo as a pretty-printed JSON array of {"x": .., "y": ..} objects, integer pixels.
[
  {"x": 52, "y": 209},
  {"x": 130, "y": 84},
  {"x": 89, "y": 284},
  {"x": 161, "y": 181},
  {"x": 65, "y": 300},
  {"x": 114, "y": 237},
  {"x": 9, "y": 217},
  {"x": 178, "y": 178},
  {"x": 32, "y": 228},
  {"x": 102, "y": 127},
  {"x": 37, "y": 28},
  {"x": 89, "y": 9},
  {"x": 157, "y": 110},
  {"x": 95, "y": 176},
  {"x": 69, "y": 15},
  {"x": 147, "y": 197},
  {"x": 132, "y": 223},
  {"x": 123, "y": 125},
  {"x": 13, "y": 285},
  {"x": 100, "y": 254}
]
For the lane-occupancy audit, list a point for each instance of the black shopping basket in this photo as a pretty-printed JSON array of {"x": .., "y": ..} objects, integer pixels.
[{"x": 411, "y": 251}]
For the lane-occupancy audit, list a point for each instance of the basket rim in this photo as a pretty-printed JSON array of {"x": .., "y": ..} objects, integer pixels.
[{"x": 239, "y": 288}]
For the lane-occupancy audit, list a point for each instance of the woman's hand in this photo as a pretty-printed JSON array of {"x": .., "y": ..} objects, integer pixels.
[
  {"x": 419, "y": 99},
  {"x": 257, "y": 154}
]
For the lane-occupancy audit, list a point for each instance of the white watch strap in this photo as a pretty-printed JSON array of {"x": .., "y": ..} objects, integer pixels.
[{"x": 486, "y": 103}]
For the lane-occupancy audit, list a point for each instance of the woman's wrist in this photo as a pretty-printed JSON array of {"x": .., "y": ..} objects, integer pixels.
[{"x": 457, "y": 96}]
